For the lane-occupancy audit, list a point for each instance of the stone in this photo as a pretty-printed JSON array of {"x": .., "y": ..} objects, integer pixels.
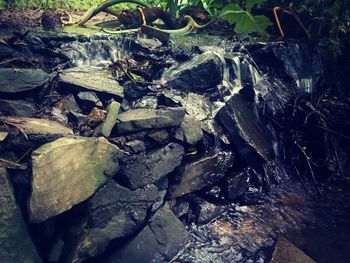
[
  {"x": 237, "y": 185},
  {"x": 20, "y": 80},
  {"x": 15, "y": 242},
  {"x": 202, "y": 72},
  {"x": 114, "y": 212},
  {"x": 90, "y": 99},
  {"x": 92, "y": 79},
  {"x": 201, "y": 172},
  {"x": 143, "y": 119},
  {"x": 17, "y": 108},
  {"x": 159, "y": 241},
  {"x": 190, "y": 130},
  {"x": 141, "y": 169},
  {"x": 286, "y": 252},
  {"x": 160, "y": 136},
  {"x": 37, "y": 129},
  {"x": 246, "y": 130},
  {"x": 67, "y": 171},
  {"x": 111, "y": 118},
  {"x": 208, "y": 212},
  {"x": 148, "y": 102}
]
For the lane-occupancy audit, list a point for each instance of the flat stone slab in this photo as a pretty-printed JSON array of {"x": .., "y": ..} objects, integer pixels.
[
  {"x": 20, "y": 80},
  {"x": 67, "y": 171},
  {"x": 92, "y": 78},
  {"x": 37, "y": 129},
  {"x": 15, "y": 242},
  {"x": 201, "y": 172},
  {"x": 17, "y": 108},
  {"x": 143, "y": 119}
]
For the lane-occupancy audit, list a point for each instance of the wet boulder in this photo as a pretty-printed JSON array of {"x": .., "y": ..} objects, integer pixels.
[
  {"x": 237, "y": 185},
  {"x": 190, "y": 130},
  {"x": 15, "y": 242},
  {"x": 159, "y": 241},
  {"x": 67, "y": 171},
  {"x": 141, "y": 169},
  {"x": 20, "y": 80},
  {"x": 202, "y": 72},
  {"x": 92, "y": 79},
  {"x": 142, "y": 119},
  {"x": 114, "y": 212},
  {"x": 201, "y": 172}
]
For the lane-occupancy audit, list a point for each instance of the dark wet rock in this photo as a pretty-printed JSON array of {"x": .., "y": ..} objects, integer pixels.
[
  {"x": 114, "y": 212},
  {"x": 67, "y": 171},
  {"x": 160, "y": 136},
  {"x": 208, "y": 212},
  {"x": 93, "y": 79},
  {"x": 141, "y": 169},
  {"x": 15, "y": 242},
  {"x": 111, "y": 118},
  {"x": 135, "y": 146},
  {"x": 246, "y": 130},
  {"x": 159, "y": 241},
  {"x": 202, "y": 72},
  {"x": 6, "y": 50},
  {"x": 201, "y": 172},
  {"x": 17, "y": 108},
  {"x": 36, "y": 129},
  {"x": 286, "y": 252},
  {"x": 90, "y": 99},
  {"x": 190, "y": 130},
  {"x": 135, "y": 91},
  {"x": 149, "y": 102},
  {"x": 237, "y": 185},
  {"x": 141, "y": 119},
  {"x": 20, "y": 80}
]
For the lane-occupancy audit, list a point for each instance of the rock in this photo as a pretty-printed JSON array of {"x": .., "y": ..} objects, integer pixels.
[
  {"x": 141, "y": 169},
  {"x": 237, "y": 185},
  {"x": 20, "y": 80},
  {"x": 246, "y": 130},
  {"x": 159, "y": 241},
  {"x": 15, "y": 242},
  {"x": 208, "y": 212},
  {"x": 160, "y": 136},
  {"x": 135, "y": 146},
  {"x": 17, "y": 108},
  {"x": 111, "y": 118},
  {"x": 286, "y": 252},
  {"x": 202, "y": 72},
  {"x": 114, "y": 212},
  {"x": 90, "y": 78},
  {"x": 67, "y": 171},
  {"x": 134, "y": 91},
  {"x": 201, "y": 172},
  {"x": 37, "y": 129},
  {"x": 142, "y": 119},
  {"x": 3, "y": 135},
  {"x": 149, "y": 102},
  {"x": 190, "y": 130},
  {"x": 90, "y": 99}
]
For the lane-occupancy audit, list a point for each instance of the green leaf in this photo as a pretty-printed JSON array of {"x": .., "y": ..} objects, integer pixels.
[{"x": 251, "y": 3}]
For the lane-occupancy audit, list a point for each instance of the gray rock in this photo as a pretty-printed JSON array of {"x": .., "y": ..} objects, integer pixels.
[
  {"x": 142, "y": 119},
  {"x": 141, "y": 169},
  {"x": 90, "y": 98},
  {"x": 111, "y": 118},
  {"x": 160, "y": 136},
  {"x": 17, "y": 108},
  {"x": 92, "y": 78},
  {"x": 237, "y": 185},
  {"x": 20, "y": 80},
  {"x": 201, "y": 172},
  {"x": 202, "y": 72},
  {"x": 114, "y": 212},
  {"x": 67, "y": 171},
  {"x": 190, "y": 130},
  {"x": 15, "y": 242},
  {"x": 149, "y": 102},
  {"x": 159, "y": 241},
  {"x": 246, "y": 130}
]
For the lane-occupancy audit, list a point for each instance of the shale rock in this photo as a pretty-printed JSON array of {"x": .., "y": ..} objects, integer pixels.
[
  {"x": 237, "y": 185},
  {"x": 159, "y": 241},
  {"x": 90, "y": 98},
  {"x": 93, "y": 79},
  {"x": 202, "y": 72},
  {"x": 190, "y": 130},
  {"x": 114, "y": 212},
  {"x": 67, "y": 171},
  {"x": 37, "y": 129},
  {"x": 201, "y": 172},
  {"x": 111, "y": 118},
  {"x": 141, "y": 119},
  {"x": 246, "y": 130},
  {"x": 15, "y": 242},
  {"x": 141, "y": 169},
  {"x": 14, "y": 81},
  {"x": 17, "y": 108}
]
